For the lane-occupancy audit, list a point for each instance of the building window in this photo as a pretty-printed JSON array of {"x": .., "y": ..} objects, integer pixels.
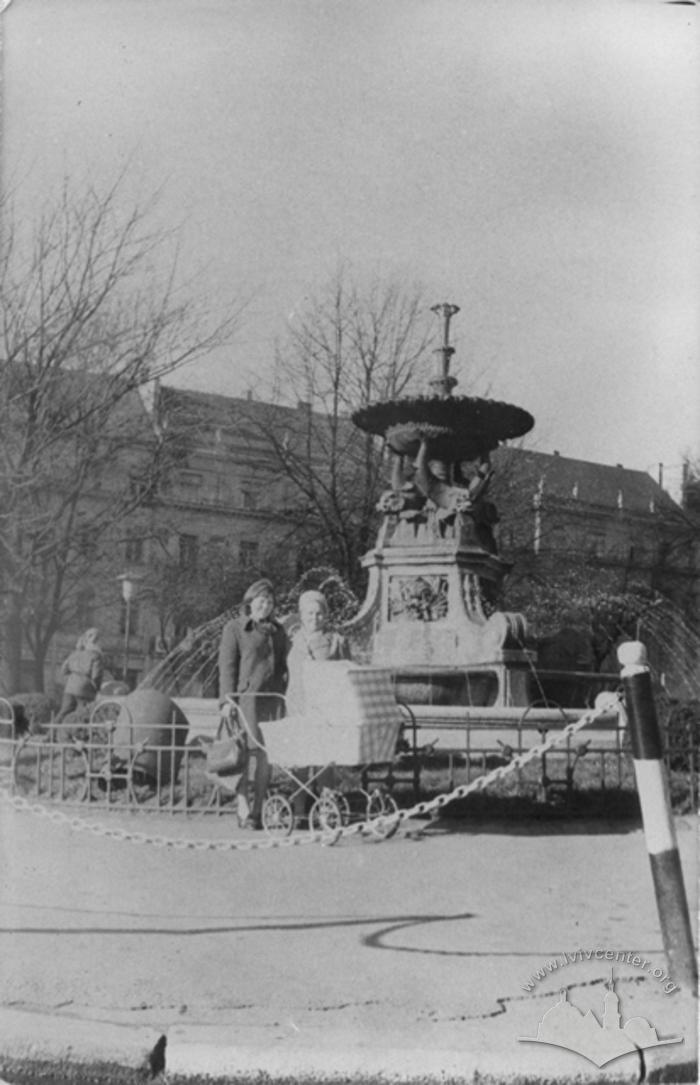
[
  {"x": 191, "y": 479},
  {"x": 555, "y": 539},
  {"x": 188, "y": 546},
  {"x": 248, "y": 554},
  {"x": 249, "y": 497},
  {"x": 133, "y": 549},
  {"x": 87, "y": 542},
  {"x": 85, "y": 608},
  {"x": 597, "y": 544},
  {"x": 140, "y": 486}
]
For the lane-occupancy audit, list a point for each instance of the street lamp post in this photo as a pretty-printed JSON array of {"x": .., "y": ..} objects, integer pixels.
[{"x": 129, "y": 583}]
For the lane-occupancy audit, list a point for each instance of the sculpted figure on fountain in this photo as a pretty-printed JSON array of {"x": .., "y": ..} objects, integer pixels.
[{"x": 449, "y": 497}]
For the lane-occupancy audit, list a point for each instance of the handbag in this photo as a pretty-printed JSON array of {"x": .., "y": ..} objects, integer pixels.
[{"x": 227, "y": 754}]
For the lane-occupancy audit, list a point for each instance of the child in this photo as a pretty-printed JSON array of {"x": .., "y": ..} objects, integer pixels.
[{"x": 312, "y": 641}]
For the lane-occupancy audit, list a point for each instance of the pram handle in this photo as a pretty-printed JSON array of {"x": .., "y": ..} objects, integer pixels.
[
  {"x": 232, "y": 699},
  {"x": 230, "y": 706}
]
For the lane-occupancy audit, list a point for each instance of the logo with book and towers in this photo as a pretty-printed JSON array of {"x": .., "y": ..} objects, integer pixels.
[{"x": 564, "y": 1025}]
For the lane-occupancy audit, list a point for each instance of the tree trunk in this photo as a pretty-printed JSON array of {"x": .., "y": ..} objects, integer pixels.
[
  {"x": 38, "y": 665},
  {"x": 12, "y": 663}
]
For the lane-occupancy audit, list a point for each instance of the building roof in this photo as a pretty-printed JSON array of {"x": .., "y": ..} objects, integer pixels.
[
  {"x": 247, "y": 420},
  {"x": 562, "y": 478},
  {"x": 222, "y": 410},
  {"x": 598, "y": 484}
]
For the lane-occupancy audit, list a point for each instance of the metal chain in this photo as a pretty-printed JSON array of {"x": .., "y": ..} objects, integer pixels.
[{"x": 378, "y": 826}]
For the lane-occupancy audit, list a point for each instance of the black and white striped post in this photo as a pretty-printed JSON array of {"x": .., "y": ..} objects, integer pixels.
[{"x": 657, "y": 818}]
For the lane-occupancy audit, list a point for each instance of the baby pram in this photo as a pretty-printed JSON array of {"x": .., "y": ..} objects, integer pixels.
[{"x": 351, "y": 721}]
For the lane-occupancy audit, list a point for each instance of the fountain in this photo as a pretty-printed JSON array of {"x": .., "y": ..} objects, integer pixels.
[{"x": 435, "y": 571}]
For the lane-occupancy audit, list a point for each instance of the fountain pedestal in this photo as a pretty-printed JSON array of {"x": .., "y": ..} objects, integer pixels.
[
  {"x": 428, "y": 602},
  {"x": 435, "y": 572}
]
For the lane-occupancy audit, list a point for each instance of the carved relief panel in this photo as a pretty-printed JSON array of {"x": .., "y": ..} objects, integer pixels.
[{"x": 418, "y": 598}]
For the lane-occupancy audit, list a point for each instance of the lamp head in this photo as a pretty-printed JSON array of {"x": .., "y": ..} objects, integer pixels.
[{"x": 129, "y": 583}]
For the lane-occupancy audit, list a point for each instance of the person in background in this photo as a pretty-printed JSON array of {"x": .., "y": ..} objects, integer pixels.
[
  {"x": 83, "y": 671},
  {"x": 253, "y": 663}
]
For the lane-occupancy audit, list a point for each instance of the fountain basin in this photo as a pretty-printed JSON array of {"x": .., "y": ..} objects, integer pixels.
[
  {"x": 458, "y": 427},
  {"x": 518, "y": 684}
]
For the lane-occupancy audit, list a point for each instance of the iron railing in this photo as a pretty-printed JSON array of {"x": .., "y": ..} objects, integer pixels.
[{"x": 85, "y": 768}]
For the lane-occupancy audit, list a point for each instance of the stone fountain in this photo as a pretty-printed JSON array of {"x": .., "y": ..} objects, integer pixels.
[{"x": 435, "y": 571}]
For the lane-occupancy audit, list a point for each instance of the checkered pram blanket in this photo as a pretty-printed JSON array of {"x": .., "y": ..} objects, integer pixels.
[{"x": 351, "y": 718}]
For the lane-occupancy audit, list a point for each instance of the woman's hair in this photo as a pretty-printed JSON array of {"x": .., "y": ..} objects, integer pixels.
[
  {"x": 89, "y": 639},
  {"x": 313, "y": 597},
  {"x": 260, "y": 587}
]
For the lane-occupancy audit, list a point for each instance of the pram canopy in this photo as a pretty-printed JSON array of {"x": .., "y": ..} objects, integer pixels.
[{"x": 351, "y": 718}]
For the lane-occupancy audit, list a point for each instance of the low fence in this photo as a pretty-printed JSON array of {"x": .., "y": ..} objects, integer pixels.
[
  {"x": 595, "y": 766},
  {"x": 89, "y": 770},
  {"x": 589, "y": 762},
  {"x": 81, "y": 770}
]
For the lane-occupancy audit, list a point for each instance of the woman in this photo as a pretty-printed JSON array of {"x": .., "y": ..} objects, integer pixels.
[
  {"x": 253, "y": 663},
  {"x": 83, "y": 671}
]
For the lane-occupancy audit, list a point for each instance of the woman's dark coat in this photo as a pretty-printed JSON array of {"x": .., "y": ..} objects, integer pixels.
[{"x": 253, "y": 659}]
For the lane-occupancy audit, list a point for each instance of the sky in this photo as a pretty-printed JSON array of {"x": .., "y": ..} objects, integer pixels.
[{"x": 533, "y": 161}]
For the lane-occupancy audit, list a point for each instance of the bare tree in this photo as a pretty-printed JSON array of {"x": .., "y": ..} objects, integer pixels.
[
  {"x": 87, "y": 323},
  {"x": 348, "y": 346},
  {"x": 183, "y": 597}
]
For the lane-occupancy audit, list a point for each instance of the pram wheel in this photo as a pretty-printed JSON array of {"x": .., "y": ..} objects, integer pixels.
[
  {"x": 380, "y": 807},
  {"x": 277, "y": 816},
  {"x": 343, "y": 805},
  {"x": 325, "y": 816}
]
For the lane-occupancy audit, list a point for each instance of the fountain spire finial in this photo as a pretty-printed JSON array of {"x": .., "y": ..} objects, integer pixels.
[{"x": 444, "y": 383}]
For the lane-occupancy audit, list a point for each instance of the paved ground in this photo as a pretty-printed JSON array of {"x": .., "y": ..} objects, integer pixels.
[{"x": 408, "y": 956}]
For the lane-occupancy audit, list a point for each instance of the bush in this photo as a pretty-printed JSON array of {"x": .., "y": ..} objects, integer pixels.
[
  {"x": 683, "y": 736},
  {"x": 33, "y": 710}
]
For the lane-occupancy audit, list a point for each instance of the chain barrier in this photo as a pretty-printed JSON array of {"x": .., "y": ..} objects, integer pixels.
[{"x": 380, "y": 827}]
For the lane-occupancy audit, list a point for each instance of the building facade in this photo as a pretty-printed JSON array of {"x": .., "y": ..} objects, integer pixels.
[{"x": 601, "y": 533}]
